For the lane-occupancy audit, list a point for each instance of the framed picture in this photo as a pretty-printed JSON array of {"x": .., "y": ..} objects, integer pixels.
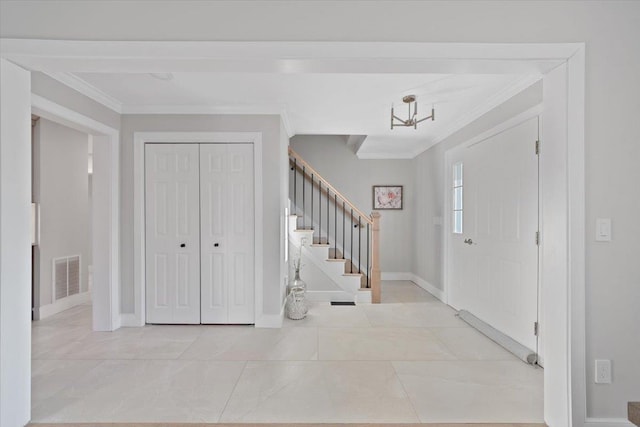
[{"x": 387, "y": 197}]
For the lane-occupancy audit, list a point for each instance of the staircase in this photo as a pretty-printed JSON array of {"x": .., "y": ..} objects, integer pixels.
[{"x": 331, "y": 233}]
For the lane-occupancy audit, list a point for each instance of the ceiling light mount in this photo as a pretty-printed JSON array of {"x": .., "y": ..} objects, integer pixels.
[{"x": 412, "y": 119}]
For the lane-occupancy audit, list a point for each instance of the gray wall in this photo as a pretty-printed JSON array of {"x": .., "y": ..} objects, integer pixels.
[
  {"x": 353, "y": 177},
  {"x": 61, "y": 186},
  {"x": 273, "y": 168},
  {"x": 430, "y": 165},
  {"x": 609, "y": 28}
]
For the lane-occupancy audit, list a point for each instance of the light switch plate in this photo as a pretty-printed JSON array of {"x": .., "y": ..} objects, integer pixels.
[{"x": 603, "y": 229}]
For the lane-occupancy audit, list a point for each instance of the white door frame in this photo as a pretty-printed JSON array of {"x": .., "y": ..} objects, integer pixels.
[
  {"x": 138, "y": 318},
  {"x": 566, "y": 404},
  {"x": 105, "y": 221}
]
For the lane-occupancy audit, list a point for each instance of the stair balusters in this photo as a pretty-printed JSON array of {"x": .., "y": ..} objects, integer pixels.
[{"x": 349, "y": 248}]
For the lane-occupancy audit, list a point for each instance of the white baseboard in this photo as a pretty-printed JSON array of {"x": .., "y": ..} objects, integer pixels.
[
  {"x": 328, "y": 296},
  {"x": 607, "y": 422},
  {"x": 63, "y": 304},
  {"x": 438, "y": 293},
  {"x": 396, "y": 276},
  {"x": 130, "y": 320}
]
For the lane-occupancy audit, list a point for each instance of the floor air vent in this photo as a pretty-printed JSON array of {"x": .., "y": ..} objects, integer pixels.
[
  {"x": 343, "y": 303},
  {"x": 66, "y": 276}
]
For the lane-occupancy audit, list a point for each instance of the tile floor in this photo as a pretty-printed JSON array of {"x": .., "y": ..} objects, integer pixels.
[{"x": 406, "y": 360}]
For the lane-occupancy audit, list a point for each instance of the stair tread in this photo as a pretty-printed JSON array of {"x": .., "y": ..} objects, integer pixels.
[
  {"x": 324, "y": 245},
  {"x": 303, "y": 230},
  {"x": 336, "y": 260},
  {"x": 352, "y": 274}
]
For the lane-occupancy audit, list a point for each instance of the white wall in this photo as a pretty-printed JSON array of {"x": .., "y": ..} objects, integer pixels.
[
  {"x": 353, "y": 177},
  {"x": 15, "y": 246},
  {"x": 273, "y": 164},
  {"x": 61, "y": 189},
  {"x": 609, "y": 28}
]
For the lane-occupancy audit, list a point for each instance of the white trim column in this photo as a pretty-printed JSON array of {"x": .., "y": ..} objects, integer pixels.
[
  {"x": 15, "y": 245},
  {"x": 106, "y": 236}
]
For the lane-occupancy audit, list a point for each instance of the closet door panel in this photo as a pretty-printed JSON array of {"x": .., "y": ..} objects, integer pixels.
[
  {"x": 213, "y": 216},
  {"x": 172, "y": 233},
  {"x": 240, "y": 233},
  {"x": 227, "y": 215}
]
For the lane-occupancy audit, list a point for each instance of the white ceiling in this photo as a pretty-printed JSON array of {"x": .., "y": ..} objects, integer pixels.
[
  {"x": 318, "y": 87},
  {"x": 322, "y": 103}
]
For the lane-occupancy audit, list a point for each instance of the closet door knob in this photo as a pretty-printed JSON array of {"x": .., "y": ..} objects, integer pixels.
[
  {"x": 216, "y": 245},
  {"x": 183, "y": 245}
]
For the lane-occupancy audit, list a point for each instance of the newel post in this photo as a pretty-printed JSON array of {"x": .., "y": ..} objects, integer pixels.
[{"x": 375, "y": 258}]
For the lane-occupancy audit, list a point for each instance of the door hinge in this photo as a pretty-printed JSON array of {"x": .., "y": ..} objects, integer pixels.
[
  {"x": 538, "y": 147},
  {"x": 537, "y": 238},
  {"x": 535, "y": 328}
]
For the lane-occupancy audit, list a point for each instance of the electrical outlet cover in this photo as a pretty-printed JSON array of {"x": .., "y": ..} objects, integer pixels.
[{"x": 603, "y": 371}]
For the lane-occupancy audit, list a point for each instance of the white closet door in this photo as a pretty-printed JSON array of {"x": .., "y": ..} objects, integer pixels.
[
  {"x": 227, "y": 240},
  {"x": 172, "y": 233}
]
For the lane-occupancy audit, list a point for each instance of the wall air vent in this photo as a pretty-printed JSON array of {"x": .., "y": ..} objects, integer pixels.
[{"x": 66, "y": 276}]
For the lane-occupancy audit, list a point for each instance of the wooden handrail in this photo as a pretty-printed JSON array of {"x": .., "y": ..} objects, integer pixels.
[{"x": 310, "y": 170}]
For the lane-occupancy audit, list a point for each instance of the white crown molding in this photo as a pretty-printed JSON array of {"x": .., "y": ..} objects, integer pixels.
[
  {"x": 86, "y": 89},
  {"x": 492, "y": 102},
  {"x": 408, "y": 155},
  {"x": 266, "y": 109}
]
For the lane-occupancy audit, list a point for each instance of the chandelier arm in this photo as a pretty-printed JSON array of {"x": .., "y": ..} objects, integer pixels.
[
  {"x": 398, "y": 118},
  {"x": 426, "y": 118}
]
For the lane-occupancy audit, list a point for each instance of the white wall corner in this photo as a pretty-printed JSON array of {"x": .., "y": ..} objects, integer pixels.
[
  {"x": 286, "y": 122},
  {"x": 272, "y": 320},
  {"x": 130, "y": 320}
]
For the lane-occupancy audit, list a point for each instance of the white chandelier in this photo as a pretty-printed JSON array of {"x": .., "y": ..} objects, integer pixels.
[{"x": 412, "y": 119}]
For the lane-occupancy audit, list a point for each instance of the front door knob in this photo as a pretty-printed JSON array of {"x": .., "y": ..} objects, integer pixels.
[
  {"x": 216, "y": 245},
  {"x": 468, "y": 241},
  {"x": 183, "y": 245}
]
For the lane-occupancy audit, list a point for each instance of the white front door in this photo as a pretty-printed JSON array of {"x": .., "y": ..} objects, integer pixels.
[
  {"x": 493, "y": 266},
  {"x": 227, "y": 242},
  {"x": 172, "y": 233}
]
